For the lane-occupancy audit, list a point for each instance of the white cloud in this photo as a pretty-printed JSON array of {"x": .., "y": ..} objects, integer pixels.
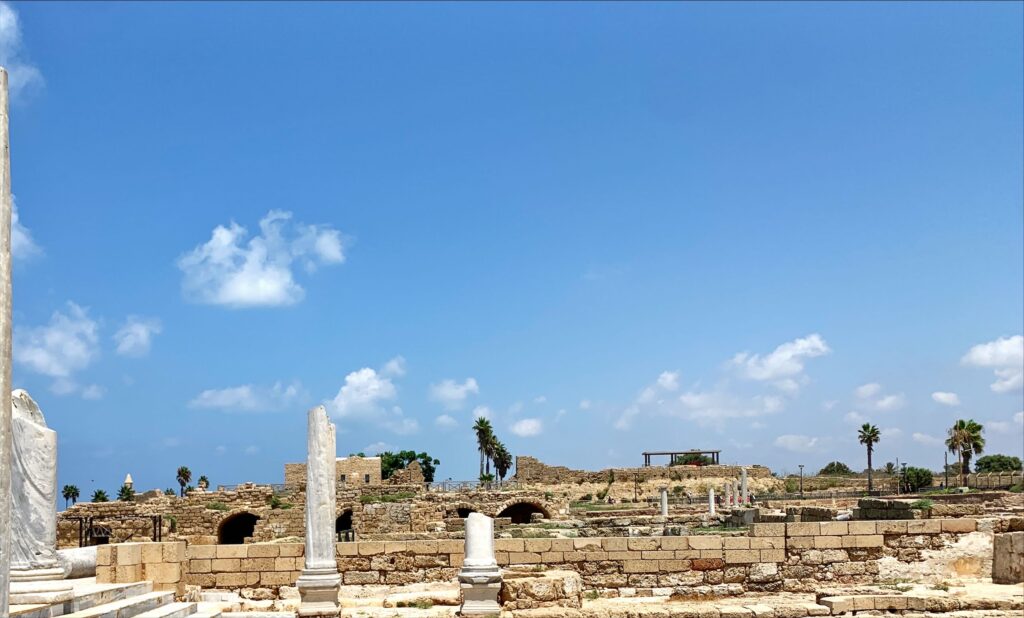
[
  {"x": 891, "y": 402},
  {"x": 829, "y": 404},
  {"x": 798, "y": 443},
  {"x": 93, "y": 392},
  {"x": 1006, "y": 358},
  {"x": 366, "y": 395},
  {"x": 377, "y": 448},
  {"x": 394, "y": 367},
  {"x": 221, "y": 449},
  {"x": 251, "y": 450},
  {"x": 585, "y": 404},
  {"x": 855, "y": 418},
  {"x": 23, "y": 77},
  {"x": 453, "y": 395},
  {"x": 250, "y": 398},
  {"x": 927, "y": 440},
  {"x": 946, "y": 399},
  {"x": 482, "y": 412},
  {"x": 540, "y": 399},
  {"x": 669, "y": 380},
  {"x": 527, "y": 427},
  {"x": 22, "y": 245},
  {"x": 891, "y": 433},
  {"x": 1019, "y": 418},
  {"x": 869, "y": 390},
  {"x": 997, "y": 426},
  {"x": 228, "y": 270},
  {"x": 135, "y": 337},
  {"x": 68, "y": 344},
  {"x": 784, "y": 365},
  {"x": 446, "y": 422}
]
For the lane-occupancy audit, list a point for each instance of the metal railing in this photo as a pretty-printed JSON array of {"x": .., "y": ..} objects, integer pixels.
[{"x": 444, "y": 486}]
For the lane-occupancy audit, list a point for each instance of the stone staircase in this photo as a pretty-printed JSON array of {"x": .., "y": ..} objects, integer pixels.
[{"x": 136, "y": 600}]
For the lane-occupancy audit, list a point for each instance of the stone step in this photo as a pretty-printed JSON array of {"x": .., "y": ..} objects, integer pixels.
[
  {"x": 207, "y": 613},
  {"x": 126, "y": 608},
  {"x": 171, "y": 610},
  {"x": 102, "y": 594}
]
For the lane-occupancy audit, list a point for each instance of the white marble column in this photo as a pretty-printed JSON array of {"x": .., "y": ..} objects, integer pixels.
[
  {"x": 664, "y": 501},
  {"x": 5, "y": 349},
  {"x": 479, "y": 577},
  {"x": 711, "y": 500},
  {"x": 320, "y": 582},
  {"x": 743, "y": 486}
]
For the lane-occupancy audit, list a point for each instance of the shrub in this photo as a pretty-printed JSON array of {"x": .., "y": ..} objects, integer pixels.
[
  {"x": 916, "y": 478},
  {"x": 921, "y": 505},
  {"x": 792, "y": 486},
  {"x": 835, "y": 468},
  {"x": 592, "y": 595},
  {"x": 997, "y": 463},
  {"x": 601, "y": 495},
  {"x": 217, "y": 506},
  {"x": 586, "y": 497}
]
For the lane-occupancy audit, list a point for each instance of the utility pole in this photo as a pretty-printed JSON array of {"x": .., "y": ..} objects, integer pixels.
[
  {"x": 945, "y": 469},
  {"x": 899, "y": 479},
  {"x": 801, "y": 481}
]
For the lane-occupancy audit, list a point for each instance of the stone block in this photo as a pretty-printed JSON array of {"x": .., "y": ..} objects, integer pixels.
[
  {"x": 675, "y": 543},
  {"x": 421, "y": 547},
  {"x": 743, "y": 556},
  {"x": 230, "y": 580},
  {"x": 834, "y": 528},
  {"x": 643, "y": 543},
  {"x": 959, "y": 525},
  {"x": 128, "y": 554},
  {"x": 550, "y": 557},
  {"x": 924, "y": 526},
  {"x": 772, "y": 555},
  {"x": 394, "y": 547},
  {"x": 200, "y": 565},
  {"x": 705, "y": 542},
  {"x": 128, "y": 573},
  {"x": 511, "y": 545},
  {"x": 361, "y": 578},
  {"x": 658, "y": 554},
  {"x": 298, "y": 549},
  {"x": 163, "y": 572},
  {"x": 828, "y": 542},
  {"x": 800, "y": 542},
  {"x": 523, "y": 557},
  {"x": 370, "y": 548},
  {"x": 615, "y": 544},
  {"x": 174, "y": 551},
  {"x": 538, "y": 545},
  {"x": 896, "y": 526},
  {"x": 687, "y": 554},
  {"x": 104, "y": 555},
  {"x": 711, "y": 554},
  {"x": 837, "y": 605},
  {"x": 264, "y": 550},
  {"x": 735, "y": 542},
  {"x": 769, "y": 542},
  {"x": 259, "y": 564},
  {"x": 563, "y": 545},
  {"x": 341, "y": 549},
  {"x": 106, "y": 574},
  {"x": 278, "y": 578},
  {"x": 640, "y": 566},
  {"x": 673, "y": 566},
  {"x": 226, "y": 565},
  {"x": 707, "y": 564},
  {"x": 201, "y": 551},
  {"x": 862, "y": 527},
  {"x": 456, "y": 560},
  {"x": 803, "y": 529},
  {"x": 152, "y": 552},
  {"x": 596, "y": 556},
  {"x": 758, "y": 529},
  {"x": 232, "y": 551}
]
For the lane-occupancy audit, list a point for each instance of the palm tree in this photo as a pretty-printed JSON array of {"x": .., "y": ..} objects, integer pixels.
[
  {"x": 966, "y": 441},
  {"x": 869, "y": 437},
  {"x": 125, "y": 494},
  {"x": 484, "y": 434},
  {"x": 100, "y": 496},
  {"x": 502, "y": 461},
  {"x": 184, "y": 476},
  {"x": 203, "y": 482},
  {"x": 890, "y": 468},
  {"x": 70, "y": 492}
]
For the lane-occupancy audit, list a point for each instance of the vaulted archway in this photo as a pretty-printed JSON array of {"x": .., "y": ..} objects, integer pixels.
[
  {"x": 522, "y": 512},
  {"x": 234, "y": 529}
]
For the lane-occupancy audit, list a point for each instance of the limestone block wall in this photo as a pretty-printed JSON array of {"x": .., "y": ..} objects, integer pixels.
[
  {"x": 780, "y": 556},
  {"x": 164, "y": 564},
  {"x": 353, "y": 471},
  {"x": 1008, "y": 558}
]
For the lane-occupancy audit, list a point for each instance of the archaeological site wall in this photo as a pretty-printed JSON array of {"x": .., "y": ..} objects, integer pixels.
[{"x": 353, "y": 471}]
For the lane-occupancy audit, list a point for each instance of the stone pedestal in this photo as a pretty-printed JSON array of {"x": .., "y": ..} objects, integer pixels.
[
  {"x": 480, "y": 577},
  {"x": 320, "y": 582}
]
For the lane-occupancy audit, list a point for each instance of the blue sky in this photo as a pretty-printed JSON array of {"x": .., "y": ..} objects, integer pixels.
[{"x": 610, "y": 227}]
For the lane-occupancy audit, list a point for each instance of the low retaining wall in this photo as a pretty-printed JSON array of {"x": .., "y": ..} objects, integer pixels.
[{"x": 773, "y": 556}]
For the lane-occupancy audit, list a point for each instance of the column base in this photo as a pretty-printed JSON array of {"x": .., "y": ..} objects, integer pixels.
[
  {"x": 318, "y": 592},
  {"x": 480, "y": 599},
  {"x": 41, "y": 592},
  {"x": 37, "y": 574}
]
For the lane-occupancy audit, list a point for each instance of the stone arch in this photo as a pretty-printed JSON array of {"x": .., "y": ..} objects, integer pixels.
[
  {"x": 521, "y": 511},
  {"x": 343, "y": 527},
  {"x": 235, "y": 528}
]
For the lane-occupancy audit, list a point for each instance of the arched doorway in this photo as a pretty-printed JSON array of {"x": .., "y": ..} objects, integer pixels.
[
  {"x": 236, "y": 528},
  {"x": 343, "y": 526},
  {"x": 464, "y": 511},
  {"x": 522, "y": 512}
]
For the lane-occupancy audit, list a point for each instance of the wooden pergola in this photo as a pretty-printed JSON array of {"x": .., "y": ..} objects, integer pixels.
[{"x": 673, "y": 454}]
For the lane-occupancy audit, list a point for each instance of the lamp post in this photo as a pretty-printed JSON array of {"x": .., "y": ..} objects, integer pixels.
[{"x": 801, "y": 481}]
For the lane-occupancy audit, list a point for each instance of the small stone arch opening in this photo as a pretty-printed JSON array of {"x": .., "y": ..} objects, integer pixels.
[
  {"x": 464, "y": 511},
  {"x": 343, "y": 525},
  {"x": 236, "y": 528},
  {"x": 522, "y": 512}
]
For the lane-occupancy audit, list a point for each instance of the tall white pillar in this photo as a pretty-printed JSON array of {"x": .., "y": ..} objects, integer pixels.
[
  {"x": 711, "y": 500},
  {"x": 664, "y": 501},
  {"x": 742, "y": 485},
  {"x": 320, "y": 582},
  {"x": 479, "y": 577},
  {"x": 5, "y": 349}
]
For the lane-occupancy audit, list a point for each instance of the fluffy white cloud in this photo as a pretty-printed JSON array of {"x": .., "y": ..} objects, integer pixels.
[
  {"x": 784, "y": 365},
  {"x": 23, "y": 77},
  {"x": 946, "y": 399},
  {"x": 1006, "y": 358},
  {"x": 527, "y": 427},
  {"x": 927, "y": 440},
  {"x": 250, "y": 398},
  {"x": 394, "y": 367},
  {"x": 366, "y": 395},
  {"x": 482, "y": 412},
  {"x": 1019, "y": 418},
  {"x": 445, "y": 422},
  {"x": 866, "y": 391},
  {"x": 451, "y": 394},
  {"x": 891, "y": 402},
  {"x": 377, "y": 448},
  {"x": 798, "y": 443},
  {"x": 232, "y": 271},
  {"x": 135, "y": 337},
  {"x": 669, "y": 380},
  {"x": 22, "y": 245},
  {"x": 69, "y": 343},
  {"x": 855, "y": 418}
]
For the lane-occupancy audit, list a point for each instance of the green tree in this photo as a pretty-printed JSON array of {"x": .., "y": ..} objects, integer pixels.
[
  {"x": 484, "y": 436},
  {"x": 184, "y": 477},
  {"x": 502, "y": 461},
  {"x": 964, "y": 439},
  {"x": 203, "y": 482},
  {"x": 125, "y": 494},
  {"x": 835, "y": 468},
  {"x": 916, "y": 478},
  {"x": 170, "y": 492},
  {"x": 997, "y": 463},
  {"x": 100, "y": 496},
  {"x": 691, "y": 459},
  {"x": 868, "y": 435},
  {"x": 70, "y": 492},
  {"x": 890, "y": 468},
  {"x": 391, "y": 462}
]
